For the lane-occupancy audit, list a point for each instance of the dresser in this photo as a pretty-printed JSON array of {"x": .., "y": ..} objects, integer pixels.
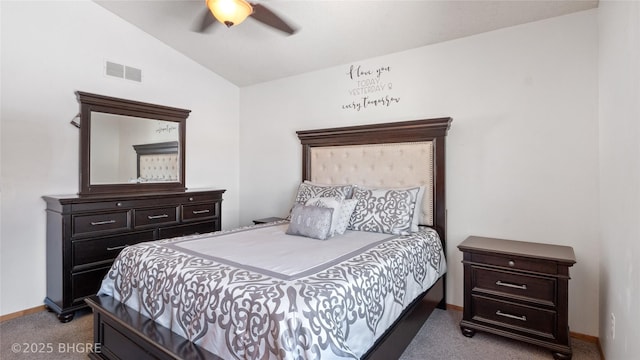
[
  {"x": 86, "y": 233},
  {"x": 518, "y": 290}
]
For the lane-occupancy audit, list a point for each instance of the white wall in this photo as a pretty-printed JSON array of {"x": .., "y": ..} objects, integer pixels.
[
  {"x": 52, "y": 49},
  {"x": 619, "y": 115},
  {"x": 521, "y": 153}
]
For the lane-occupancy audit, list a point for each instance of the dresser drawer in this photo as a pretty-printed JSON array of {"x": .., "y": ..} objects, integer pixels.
[
  {"x": 202, "y": 197},
  {"x": 112, "y": 221},
  {"x": 526, "y": 319},
  {"x": 87, "y": 283},
  {"x": 101, "y": 206},
  {"x": 199, "y": 211},
  {"x": 91, "y": 252},
  {"x": 156, "y": 216},
  {"x": 190, "y": 229},
  {"x": 537, "y": 289},
  {"x": 516, "y": 263}
]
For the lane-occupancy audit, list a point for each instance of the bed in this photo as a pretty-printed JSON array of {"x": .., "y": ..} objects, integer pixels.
[{"x": 354, "y": 302}]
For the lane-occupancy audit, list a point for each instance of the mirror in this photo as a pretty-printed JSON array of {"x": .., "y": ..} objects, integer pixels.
[{"x": 129, "y": 146}]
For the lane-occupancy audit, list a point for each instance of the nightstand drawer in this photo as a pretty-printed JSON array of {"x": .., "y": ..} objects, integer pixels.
[
  {"x": 537, "y": 289},
  {"x": 156, "y": 216},
  {"x": 533, "y": 321},
  {"x": 516, "y": 263}
]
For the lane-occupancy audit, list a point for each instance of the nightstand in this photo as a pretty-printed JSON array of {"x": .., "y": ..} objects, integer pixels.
[
  {"x": 266, "y": 220},
  {"x": 518, "y": 290}
]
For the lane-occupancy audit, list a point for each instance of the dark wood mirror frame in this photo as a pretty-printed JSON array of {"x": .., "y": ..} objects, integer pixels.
[{"x": 98, "y": 103}]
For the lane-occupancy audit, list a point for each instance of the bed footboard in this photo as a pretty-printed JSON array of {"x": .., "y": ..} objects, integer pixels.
[
  {"x": 122, "y": 333},
  {"x": 119, "y": 332}
]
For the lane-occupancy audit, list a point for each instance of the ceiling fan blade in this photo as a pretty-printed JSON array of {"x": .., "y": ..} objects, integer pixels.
[
  {"x": 206, "y": 21},
  {"x": 268, "y": 17}
]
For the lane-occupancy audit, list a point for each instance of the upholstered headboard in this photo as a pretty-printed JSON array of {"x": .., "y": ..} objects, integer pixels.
[
  {"x": 394, "y": 165},
  {"x": 400, "y": 154},
  {"x": 157, "y": 161}
]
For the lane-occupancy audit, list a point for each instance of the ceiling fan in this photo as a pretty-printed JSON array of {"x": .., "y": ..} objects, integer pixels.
[{"x": 233, "y": 12}]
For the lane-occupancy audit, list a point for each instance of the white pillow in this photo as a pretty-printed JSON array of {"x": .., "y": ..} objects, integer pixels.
[
  {"x": 417, "y": 212},
  {"x": 344, "y": 215},
  {"x": 342, "y": 210}
]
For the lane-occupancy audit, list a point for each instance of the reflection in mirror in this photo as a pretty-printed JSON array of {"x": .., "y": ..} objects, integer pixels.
[{"x": 114, "y": 159}]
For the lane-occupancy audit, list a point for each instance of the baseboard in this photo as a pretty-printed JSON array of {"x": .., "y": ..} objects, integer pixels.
[
  {"x": 575, "y": 335},
  {"x": 600, "y": 349},
  {"x": 18, "y": 314},
  {"x": 587, "y": 338}
]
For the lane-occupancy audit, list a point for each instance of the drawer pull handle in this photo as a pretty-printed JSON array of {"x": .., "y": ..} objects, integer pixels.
[
  {"x": 512, "y": 263},
  {"x": 515, "y": 286},
  {"x": 153, "y": 217},
  {"x": 521, "y": 318},
  {"x": 196, "y": 212},
  {"x": 94, "y": 223},
  {"x": 116, "y": 247}
]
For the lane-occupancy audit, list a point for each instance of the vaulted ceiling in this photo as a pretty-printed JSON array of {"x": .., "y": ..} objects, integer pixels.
[{"x": 329, "y": 33}]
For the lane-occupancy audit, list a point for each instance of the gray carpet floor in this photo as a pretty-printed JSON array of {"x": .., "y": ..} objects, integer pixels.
[{"x": 42, "y": 336}]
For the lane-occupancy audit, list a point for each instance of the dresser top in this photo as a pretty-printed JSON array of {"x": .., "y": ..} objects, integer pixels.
[
  {"x": 75, "y": 198},
  {"x": 559, "y": 253}
]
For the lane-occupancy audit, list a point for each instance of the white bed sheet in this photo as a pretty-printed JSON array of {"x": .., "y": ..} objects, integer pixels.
[{"x": 269, "y": 250}]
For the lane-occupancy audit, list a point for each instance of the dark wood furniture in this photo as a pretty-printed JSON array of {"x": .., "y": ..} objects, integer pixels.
[
  {"x": 266, "y": 220},
  {"x": 121, "y": 111},
  {"x": 121, "y": 330},
  {"x": 518, "y": 290},
  {"x": 86, "y": 233}
]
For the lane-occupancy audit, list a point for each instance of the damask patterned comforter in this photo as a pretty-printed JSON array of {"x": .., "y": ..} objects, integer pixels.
[{"x": 287, "y": 304}]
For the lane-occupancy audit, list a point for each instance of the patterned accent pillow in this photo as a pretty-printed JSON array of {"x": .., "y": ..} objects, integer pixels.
[
  {"x": 308, "y": 190},
  {"x": 310, "y": 221},
  {"x": 384, "y": 210}
]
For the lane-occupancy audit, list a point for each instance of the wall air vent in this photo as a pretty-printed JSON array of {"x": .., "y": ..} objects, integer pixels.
[
  {"x": 122, "y": 71},
  {"x": 131, "y": 73},
  {"x": 113, "y": 69}
]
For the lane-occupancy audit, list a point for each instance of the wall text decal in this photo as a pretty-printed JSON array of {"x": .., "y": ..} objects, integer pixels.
[
  {"x": 166, "y": 129},
  {"x": 368, "y": 85}
]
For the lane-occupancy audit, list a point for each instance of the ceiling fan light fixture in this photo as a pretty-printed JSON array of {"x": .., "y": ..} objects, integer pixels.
[{"x": 230, "y": 12}]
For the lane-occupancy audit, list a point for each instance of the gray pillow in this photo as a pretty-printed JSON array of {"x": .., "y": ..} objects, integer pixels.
[
  {"x": 328, "y": 202},
  {"x": 310, "y": 221}
]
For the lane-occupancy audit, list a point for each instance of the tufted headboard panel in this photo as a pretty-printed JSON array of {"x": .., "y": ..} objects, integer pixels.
[
  {"x": 392, "y": 165},
  {"x": 158, "y": 167},
  {"x": 158, "y": 162}
]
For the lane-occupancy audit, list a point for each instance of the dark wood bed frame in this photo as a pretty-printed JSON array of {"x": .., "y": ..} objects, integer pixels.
[{"x": 122, "y": 333}]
